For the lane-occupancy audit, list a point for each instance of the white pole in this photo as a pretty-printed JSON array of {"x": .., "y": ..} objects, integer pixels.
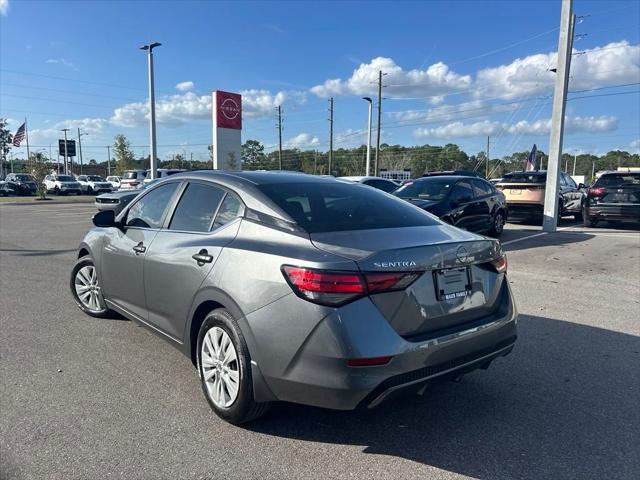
[
  {"x": 368, "y": 168},
  {"x": 550, "y": 221}
]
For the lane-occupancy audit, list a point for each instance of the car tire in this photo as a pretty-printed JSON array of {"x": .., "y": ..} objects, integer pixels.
[
  {"x": 85, "y": 276},
  {"x": 224, "y": 367},
  {"x": 497, "y": 224}
]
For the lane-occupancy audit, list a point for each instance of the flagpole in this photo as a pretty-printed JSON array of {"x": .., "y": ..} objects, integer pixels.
[{"x": 26, "y": 133}]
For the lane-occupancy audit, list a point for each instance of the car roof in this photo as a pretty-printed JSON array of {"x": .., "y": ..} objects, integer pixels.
[
  {"x": 439, "y": 177},
  {"x": 363, "y": 178}
]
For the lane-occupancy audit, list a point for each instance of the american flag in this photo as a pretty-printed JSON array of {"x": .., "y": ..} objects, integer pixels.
[
  {"x": 19, "y": 136},
  {"x": 531, "y": 159}
]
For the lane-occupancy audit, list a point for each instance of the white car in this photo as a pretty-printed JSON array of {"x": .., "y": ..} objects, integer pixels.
[
  {"x": 114, "y": 180},
  {"x": 132, "y": 179},
  {"x": 94, "y": 184},
  {"x": 163, "y": 172},
  {"x": 376, "y": 182},
  {"x": 62, "y": 185}
]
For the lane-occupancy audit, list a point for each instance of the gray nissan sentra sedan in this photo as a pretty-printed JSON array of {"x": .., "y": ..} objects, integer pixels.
[{"x": 291, "y": 287}]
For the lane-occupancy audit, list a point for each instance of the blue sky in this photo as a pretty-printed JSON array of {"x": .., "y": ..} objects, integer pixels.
[{"x": 456, "y": 71}]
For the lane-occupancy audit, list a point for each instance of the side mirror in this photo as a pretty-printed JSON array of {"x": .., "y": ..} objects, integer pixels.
[
  {"x": 582, "y": 185},
  {"x": 105, "y": 219}
]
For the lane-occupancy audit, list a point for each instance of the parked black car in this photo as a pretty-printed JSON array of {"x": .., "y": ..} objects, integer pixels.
[
  {"x": 467, "y": 202},
  {"x": 614, "y": 196},
  {"x": 463, "y": 173},
  {"x": 21, "y": 183}
]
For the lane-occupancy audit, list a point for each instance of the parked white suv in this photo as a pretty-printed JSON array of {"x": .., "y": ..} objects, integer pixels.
[
  {"x": 132, "y": 179},
  {"x": 163, "y": 173},
  {"x": 114, "y": 180},
  {"x": 94, "y": 184},
  {"x": 62, "y": 184}
]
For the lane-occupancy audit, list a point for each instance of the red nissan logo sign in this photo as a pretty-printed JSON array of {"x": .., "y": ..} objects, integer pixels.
[{"x": 228, "y": 110}]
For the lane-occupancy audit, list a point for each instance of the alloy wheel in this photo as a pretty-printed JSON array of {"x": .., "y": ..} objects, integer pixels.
[
  {"x": 498, "y": 223},
  {"x": 220, "y": 367},
  {"x": 88, "y": 290}
]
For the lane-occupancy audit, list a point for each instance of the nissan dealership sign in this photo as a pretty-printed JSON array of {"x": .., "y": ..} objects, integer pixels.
[
  {"x": 227, "y": 128},
  {"x": 229, "y": 110}
]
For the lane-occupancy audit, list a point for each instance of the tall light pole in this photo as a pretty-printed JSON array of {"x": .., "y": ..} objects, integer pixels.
[
  {"x": 80, "y": 146},
  {"x": 152, "y": 111},
  {"x": 66, "y": 165},
  {"x": 368, "y": 169}
]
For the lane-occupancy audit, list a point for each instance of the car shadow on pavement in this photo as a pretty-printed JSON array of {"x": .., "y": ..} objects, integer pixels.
[
  {"x": 554, "y": 239},
  {"x": 36, "y": 253},
  {"x": 564, "y": 404}
]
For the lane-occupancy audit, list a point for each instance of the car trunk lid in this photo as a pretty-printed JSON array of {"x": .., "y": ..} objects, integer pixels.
[{"x": 457, "y": 283}]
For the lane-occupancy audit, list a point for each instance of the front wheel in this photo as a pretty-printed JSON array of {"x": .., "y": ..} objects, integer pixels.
[
  {"x": 224, "y": 366},
  {"x": 86, "y": 289}
]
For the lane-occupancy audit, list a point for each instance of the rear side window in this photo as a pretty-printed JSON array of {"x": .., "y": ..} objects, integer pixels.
[
  {"x": 618, "y": 180},
  {"x": 196, "y": 208},
  {"x": 382, "y": 185},
  {"x": 149, "y": 210},
  {"x": 481, "y": 188},
  {"x": 462, "y": 192},
  {"x": 230, "y": 209},
  {"x": 332, "y": 207}
]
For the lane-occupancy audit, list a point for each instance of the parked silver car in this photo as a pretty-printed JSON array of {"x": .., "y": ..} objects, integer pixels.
[{"x": 284, "y": 286}]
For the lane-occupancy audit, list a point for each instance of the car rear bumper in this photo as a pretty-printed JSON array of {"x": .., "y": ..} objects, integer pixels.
[
  {"x": 521, "y": 210},
  {"x": 318, "y": 374},
  {"x": 614, "y": 211}
]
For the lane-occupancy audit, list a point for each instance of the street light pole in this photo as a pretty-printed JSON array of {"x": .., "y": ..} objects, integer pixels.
[
  {"x": 152, "y": 110},
  {"x": 66, "y": 166},
  {"x": 108, "y": 160},
  {"x": 368, "y": 169},
  {"x": 80, "y": 147}
]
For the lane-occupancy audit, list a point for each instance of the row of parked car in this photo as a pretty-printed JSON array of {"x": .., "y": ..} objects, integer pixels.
[{"x": 62, "y": 184}]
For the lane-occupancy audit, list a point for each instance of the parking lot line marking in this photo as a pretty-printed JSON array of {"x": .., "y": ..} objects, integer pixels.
[{"x": 535, "y": 235}]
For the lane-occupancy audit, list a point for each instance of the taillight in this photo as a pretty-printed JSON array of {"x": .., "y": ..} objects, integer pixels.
[
  {"x": 596, "y": 191},
  {"x": 500, "y": 264},
  {"x": 368, "y": 362},
  {"x": 337, "y": 288}
]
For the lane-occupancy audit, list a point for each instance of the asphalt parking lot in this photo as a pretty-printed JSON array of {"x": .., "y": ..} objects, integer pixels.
[{"x": 83, "y": 398}]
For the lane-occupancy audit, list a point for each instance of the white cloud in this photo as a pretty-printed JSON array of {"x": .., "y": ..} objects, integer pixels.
[
  {"x": 4, "y": 7},
  {"x": 185, "y": 86},
  {"x": 302, "y": 140},
  {"x": 436, "y": 80},
  {"x": 539, "y": 127},
  {"x": 184, "y": 107},
  {"x": 611, "y": 64},
  {"x": 92, "y": 126},
  {"x": 635, "y": 146},
  {"x": 61, "y": 61}
]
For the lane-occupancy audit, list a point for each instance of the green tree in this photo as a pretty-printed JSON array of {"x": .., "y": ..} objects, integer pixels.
[
  {"x": 124, "y": 155},
  {"x": 5, "y": 143},
  {"x": 252, "y": 154}
]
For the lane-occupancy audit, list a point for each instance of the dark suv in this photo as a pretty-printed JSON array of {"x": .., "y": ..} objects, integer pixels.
[
  {"x": 614, "y": 196},
  {"x": 21, "y": 183},
  {"x": 466, "y": 202}
]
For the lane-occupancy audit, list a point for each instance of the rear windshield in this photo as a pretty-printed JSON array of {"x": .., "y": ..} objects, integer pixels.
[
  {"x": 133, "y": 175},
  {"x": 24, "y": 178},
  {"x": 618, "y": 180},
  {"x": 65, "y": 178},
  {"x": 94, "y": 178},
  {"x": 434, "y": 188},
  {"x": 334, "y": 207},
  {"x": 524, "y": 178}
]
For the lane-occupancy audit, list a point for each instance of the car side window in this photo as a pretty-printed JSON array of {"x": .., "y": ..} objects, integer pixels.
[
  {"x": 563, "y": 180},
  {"x": 462, "y": 192},
  {"x": 384, "y": 185},
  {"x": 149, "y": 210},
  {"x": 230, "y": 209},
  {"x": 571, "y": 182},
  {"x": 480, "y": 188},
  {"x": 196, "y": 208}
]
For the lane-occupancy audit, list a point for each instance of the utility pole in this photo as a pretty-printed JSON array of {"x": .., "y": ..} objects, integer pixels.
[
  {"x": 593, "y": 171},
  {"x": 66, "y": 166},
  {"x": 58, "y": 164},
  {"x": 153, "y": 161},
  {"x": 80, "y": 148},
  {"x": 575, "y": 155},
  {"x": 279, "y": 137},
  {"x": 108, "y": 160},
  {"x": 330, "y": 133},
  {"x": 368, "y": 168},
  {"x": 567, "y": 19},
  {"x": 376, "y": 166},
  {"x": 486, "y": 167}
]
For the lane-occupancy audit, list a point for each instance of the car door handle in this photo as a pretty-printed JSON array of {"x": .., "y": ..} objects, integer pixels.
[
  {"x": 139, "y": 248},
  {"x": 202, "y": 257}
]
